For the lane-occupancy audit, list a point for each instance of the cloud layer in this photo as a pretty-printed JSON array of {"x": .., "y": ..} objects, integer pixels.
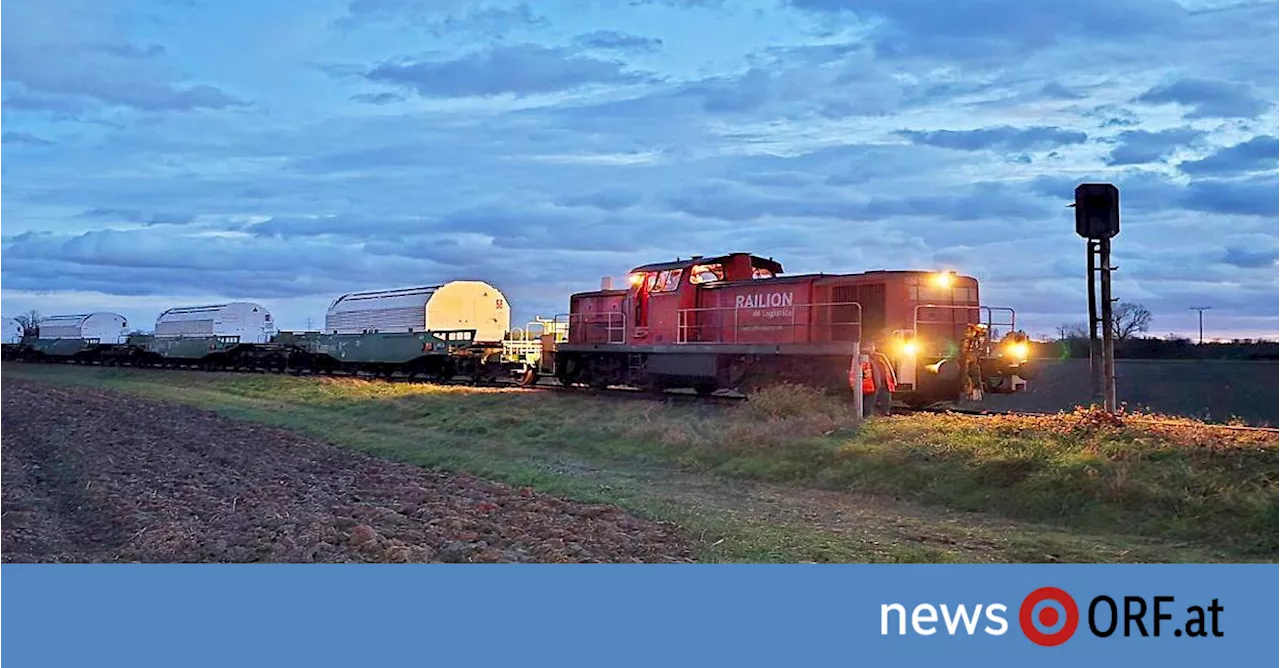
[{"x": 542, "y": 146}]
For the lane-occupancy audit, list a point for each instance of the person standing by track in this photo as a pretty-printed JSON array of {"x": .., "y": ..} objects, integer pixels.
[{"x": 878, "y": 382}]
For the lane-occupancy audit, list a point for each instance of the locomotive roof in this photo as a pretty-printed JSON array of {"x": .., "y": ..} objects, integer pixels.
[
  {"x": 756, "y": 261},
  {"x": 791, "y": 278}
]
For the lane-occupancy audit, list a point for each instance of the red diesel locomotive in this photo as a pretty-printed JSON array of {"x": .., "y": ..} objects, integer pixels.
[{"x": 735, "y": 322}]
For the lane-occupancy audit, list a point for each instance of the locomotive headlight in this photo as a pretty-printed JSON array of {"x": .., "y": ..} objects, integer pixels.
[
  {"x": 943, "y": 279},
  {"x": 909, "y": 348},
  {"x": 636, "y": 279},
  {"x": 1018, "y": 350}
]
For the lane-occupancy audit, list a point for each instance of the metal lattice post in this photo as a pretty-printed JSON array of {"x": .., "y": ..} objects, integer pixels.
[
  {"x": 1108, "y": 330},
  {"x": 1095, "y": 356}
]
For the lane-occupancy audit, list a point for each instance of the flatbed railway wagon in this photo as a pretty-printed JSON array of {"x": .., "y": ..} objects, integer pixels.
[
  {"x": 208, "y": 336},
  {"x": 78, "y": 337},
  {"x": 736, "y": 322},
  {"x": 434, "y": 331}
]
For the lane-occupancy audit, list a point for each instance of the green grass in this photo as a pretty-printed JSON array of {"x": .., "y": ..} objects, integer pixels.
[{"x": 916, "y": 488}]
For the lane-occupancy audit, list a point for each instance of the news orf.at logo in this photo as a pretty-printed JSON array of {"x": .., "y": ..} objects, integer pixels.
[{"x": 1049, "y": 617}]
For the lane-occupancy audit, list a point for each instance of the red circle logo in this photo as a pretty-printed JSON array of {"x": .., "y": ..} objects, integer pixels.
[{"x": 1041, "y": 620}]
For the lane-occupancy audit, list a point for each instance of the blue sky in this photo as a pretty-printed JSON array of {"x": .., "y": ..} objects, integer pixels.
[{"x": 187, "y": 151}]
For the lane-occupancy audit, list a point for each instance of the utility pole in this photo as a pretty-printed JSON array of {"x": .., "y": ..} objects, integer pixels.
[
  {"x": 1097, "y": 208},
  {"x": 1201, "y": 309}
]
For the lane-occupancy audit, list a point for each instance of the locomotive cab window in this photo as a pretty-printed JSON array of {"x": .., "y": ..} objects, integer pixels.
[
  {"x": 706, "y": 273},
  {"x": 761, "y": 272},
  {"x": 667, "y": 280}
]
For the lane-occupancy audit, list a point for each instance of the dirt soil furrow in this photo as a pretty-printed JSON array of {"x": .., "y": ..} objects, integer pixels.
[{"x": 92, "y": 476}]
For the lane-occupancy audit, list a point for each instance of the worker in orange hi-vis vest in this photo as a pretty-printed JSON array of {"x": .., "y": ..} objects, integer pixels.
[{"x": 878, "y": 381}]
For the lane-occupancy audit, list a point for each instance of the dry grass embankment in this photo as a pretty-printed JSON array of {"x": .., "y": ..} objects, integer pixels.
[{"x": 1184, "y": 490}]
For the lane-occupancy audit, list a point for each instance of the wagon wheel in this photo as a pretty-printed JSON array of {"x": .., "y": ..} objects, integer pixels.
[
  {"x": 749, "y": 384},
  {"x": 568, "y": 372},
  {"x": 481, "y": 373},
  {"x": 445, "y": 372}
]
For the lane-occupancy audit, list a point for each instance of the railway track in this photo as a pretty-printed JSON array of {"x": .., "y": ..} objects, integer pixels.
[
  {"x": 545, "y": 385},
  {"x": 626, "y": 393}
]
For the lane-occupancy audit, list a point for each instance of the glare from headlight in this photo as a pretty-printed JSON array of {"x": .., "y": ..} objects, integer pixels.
[
  {"x": 1018, "y": 350},
  {"x": 909, "y": 348}
]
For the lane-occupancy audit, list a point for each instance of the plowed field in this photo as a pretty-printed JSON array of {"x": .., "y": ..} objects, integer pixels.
[
  {"x": 92, "y": 476},
  {"x": 1217, "y": 390}
]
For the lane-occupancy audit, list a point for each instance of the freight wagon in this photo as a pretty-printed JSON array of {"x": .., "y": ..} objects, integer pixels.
[
  {"x": 437, "y": 332},
  {"x": 82, "y": 336}
]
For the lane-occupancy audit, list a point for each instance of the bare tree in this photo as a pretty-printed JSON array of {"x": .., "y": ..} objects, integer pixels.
[
  {"x": 29, "y": 323},
  {"x": 1068, "y": 330},
  {"x": 1128, "y": 319}
]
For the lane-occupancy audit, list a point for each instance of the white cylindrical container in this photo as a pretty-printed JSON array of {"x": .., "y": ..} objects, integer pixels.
[
  {"x": 12, "y": 331},
  {"x": 249, "y": 321},
  {"x": 100, "y": 326},
  {"x": 453, "y": 306}
]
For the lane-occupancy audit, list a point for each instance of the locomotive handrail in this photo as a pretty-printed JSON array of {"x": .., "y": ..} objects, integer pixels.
[
  {"x": 683, "y": 327},
  {"x": 1013, "y": 316},
  {"x": 915, "y": 320},
  {"x": 615, "y": 327},
  {"x": 560, "y": 335},
  {"x": 990, "y": 320}
]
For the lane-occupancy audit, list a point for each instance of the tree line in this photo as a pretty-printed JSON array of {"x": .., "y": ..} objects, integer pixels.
[
  {"x": 28, "y": 323},
  {"x": 1132, "y": 321}
]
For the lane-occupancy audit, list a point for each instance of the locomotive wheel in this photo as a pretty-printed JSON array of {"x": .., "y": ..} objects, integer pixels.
[{"x": 568, "y": 372}]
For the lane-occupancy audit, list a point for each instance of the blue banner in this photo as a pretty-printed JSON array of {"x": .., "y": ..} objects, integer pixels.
[{"x": 554, "y": 615}]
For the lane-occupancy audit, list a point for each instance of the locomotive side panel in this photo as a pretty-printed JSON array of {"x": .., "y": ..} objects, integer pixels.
[
  {"x": 598, "y": 317},
  {"x": 766, "y": 311}
]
